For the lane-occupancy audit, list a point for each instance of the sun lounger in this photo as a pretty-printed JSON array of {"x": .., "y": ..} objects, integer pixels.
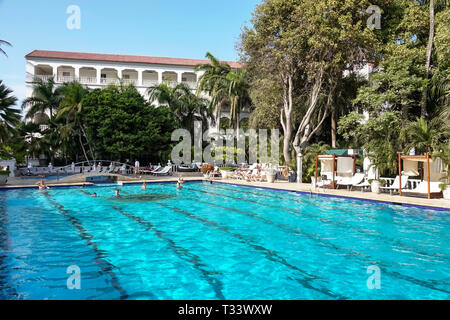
[
  {"x": 349, "y": 182},
  {"x": 422, "y": 190},
  {"x": 164, "y": 171},
  {"x": 158, "y": 168},
  {"x": 396, "y": 184}
]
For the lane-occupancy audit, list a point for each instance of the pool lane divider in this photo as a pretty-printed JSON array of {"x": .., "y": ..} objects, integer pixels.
[
  {"x": 340, "y": 196},
  {"x": 322, "y": 219},
  {"x": 181, "y": 252},
  {"x": 269, "y": 254},
  {"x": 105, "y": 266},
  {"x": 354, "y": 253}
]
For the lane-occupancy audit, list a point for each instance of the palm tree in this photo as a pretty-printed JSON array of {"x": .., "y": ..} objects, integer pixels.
[
  {"x": 9, "y": 115},
  {"x": 238, "y": 93},
  {"x": 185, "y": 105},
  {"x": 71, "y": 109},
  {"x": 45, "y": 100},
  {"x": 424, "y": 135},
  {"x": 214, "y": 83},
  {"x": 4, "y": 42}
]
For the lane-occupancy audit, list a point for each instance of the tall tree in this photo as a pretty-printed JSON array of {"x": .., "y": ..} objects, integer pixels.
[
  {"x": 213, "y": 82},
  {"x": 45, "y": 100},
  {"x": 423, "y": 110},
  {"x": 185, "y": 105},
  {"x": 9, "y": 115},
  {"x": 71, "y": 110},
  {"x": 270, "y": 47}
]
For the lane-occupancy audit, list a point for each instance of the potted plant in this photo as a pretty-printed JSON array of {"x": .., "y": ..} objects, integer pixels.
[
  {"x": 445, "y": 186},
  {"x": 206, "y": 168},
  {"x": 225, "y": 171},
  {"x": 4, "y": 174},
  {"x": 375, "y": 184}
]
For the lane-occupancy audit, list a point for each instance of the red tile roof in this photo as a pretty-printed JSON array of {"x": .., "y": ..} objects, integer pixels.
[{"x": 120, "y": 58}]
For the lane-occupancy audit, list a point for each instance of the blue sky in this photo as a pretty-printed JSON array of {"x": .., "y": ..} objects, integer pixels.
[{"x": 175, "y": 28}]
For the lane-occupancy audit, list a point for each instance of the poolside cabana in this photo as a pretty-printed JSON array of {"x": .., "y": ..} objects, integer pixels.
[
  {"x": 336, "y": 165},
  {"x": 430, "y": 172}
]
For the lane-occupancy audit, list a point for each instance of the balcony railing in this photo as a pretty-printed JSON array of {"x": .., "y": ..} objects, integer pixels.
[
  {"x": 88, "y": 80},
  {"x": 31, "y": 77},
  {"x": 63, "y": 79},
  {"x": 130, "y": 81},
  {"x": 93, "y": 80}
]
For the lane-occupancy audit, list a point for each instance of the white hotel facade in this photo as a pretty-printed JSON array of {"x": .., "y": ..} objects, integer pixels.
[{"x": 95, "y": 70}]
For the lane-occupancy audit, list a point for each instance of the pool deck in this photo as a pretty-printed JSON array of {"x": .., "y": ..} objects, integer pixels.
[{"x": 17, "y": 183}]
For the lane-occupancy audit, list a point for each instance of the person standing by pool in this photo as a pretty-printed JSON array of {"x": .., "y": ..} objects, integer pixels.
[{"x": 136, "y": 167}]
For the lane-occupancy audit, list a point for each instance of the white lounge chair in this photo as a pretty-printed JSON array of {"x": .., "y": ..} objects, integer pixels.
[
  {"x": 422, "y": 190},
  {"x": 157, "y": 168},
  {"x": 164, "y": 171},
  {"x": 395, "y": 186},
  {"x": 349, "y": 182}
]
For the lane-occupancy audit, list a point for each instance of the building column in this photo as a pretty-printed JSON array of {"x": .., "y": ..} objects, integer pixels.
[
  {"x": 139, "y": 81},
  {"x": 179, "y": 77},
  {"x": 99, "y": 75},
  {"x": 160, "y": 77},
  {"x": 55, "y": 72},
  {"x": 77, "y": 73}
]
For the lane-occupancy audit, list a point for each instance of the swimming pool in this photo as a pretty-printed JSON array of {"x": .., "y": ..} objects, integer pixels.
[{"x": 217, "y": 242}]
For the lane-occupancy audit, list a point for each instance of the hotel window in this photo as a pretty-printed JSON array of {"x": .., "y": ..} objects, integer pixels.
[
  {"x": 126, "y": 76},
  {"x": 66, "y": 74},
  {"x": 103, "y": 76}
]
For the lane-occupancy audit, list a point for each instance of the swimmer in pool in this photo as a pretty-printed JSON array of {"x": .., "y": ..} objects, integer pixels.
[
  {"x": 42, "y": 186},
  {"x": 94, "y": 195},
  {"x": 144, "y": 186},
  {"x": 179, "y": 186},
  {"x": 117, "y": 193}
]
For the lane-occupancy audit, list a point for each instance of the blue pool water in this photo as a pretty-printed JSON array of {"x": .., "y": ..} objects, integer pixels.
[{"x": 217, "y": 242}]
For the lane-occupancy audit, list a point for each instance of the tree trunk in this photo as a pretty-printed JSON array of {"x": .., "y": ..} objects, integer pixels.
[
  {"x": 285, "y": 117},
  {"x": 423, "y": 111},
  {"x": 82, "y": 147},
  {"x": 87, "y": 140},
  {"x": 333, "y": 129}
]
